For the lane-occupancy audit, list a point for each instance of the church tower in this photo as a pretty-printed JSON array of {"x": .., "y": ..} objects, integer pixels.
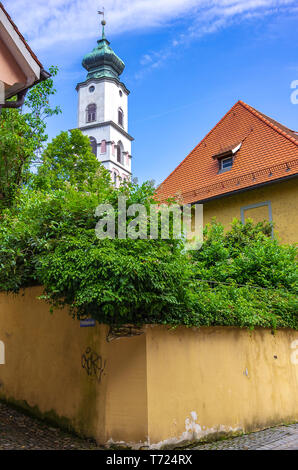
[{"x": 103, "y": 109}]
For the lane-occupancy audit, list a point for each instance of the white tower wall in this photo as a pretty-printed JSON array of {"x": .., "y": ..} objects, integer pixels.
[{"x": 109, "y": 96}]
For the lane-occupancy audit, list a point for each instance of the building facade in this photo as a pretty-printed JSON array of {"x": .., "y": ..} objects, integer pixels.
[
  {"x": 245, "y": 168},
  {"x": 103, "y": 110}
]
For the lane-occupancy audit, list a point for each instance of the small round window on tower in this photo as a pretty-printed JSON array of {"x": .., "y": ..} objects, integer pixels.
[
  {"x": 92, "y": 89},
  {"x": 120, "y": 93}
]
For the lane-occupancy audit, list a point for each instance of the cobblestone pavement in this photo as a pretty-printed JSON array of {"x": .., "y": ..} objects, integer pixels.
[
  {"x": 21, "y": 432},
  {"x": 278, "y": 438}
]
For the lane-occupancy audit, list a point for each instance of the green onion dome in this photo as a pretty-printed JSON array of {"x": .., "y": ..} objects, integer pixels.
[{"x": 102, "y": 62}]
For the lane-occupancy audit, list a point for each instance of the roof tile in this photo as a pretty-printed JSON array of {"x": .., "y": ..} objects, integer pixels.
[{"x": 269, "y": 151}]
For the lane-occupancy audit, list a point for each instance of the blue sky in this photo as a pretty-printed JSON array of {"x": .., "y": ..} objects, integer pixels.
[{"x": 187, "y": 63}]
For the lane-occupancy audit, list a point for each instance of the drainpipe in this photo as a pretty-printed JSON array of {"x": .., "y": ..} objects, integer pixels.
[{"x": 15, "y": 104}]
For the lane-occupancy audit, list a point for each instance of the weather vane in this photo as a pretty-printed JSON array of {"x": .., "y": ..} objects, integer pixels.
[
  {"x": 103, "y": 15},
  {"x": 103, "y": 21}
]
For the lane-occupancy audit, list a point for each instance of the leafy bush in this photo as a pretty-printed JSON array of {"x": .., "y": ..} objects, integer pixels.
[
  {"x": 246, "y": 255},
  {"x": 49, "y": 239}
]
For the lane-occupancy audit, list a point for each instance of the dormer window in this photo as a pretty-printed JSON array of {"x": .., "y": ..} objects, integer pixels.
[
  {"x": 226, "y": 164},
  {"x": 226, "y": 157}
]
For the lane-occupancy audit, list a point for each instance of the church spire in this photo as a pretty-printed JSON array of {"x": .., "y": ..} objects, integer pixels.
[
  {"x": 102, "y": 62},
  {"x": 103, "y": 107}
]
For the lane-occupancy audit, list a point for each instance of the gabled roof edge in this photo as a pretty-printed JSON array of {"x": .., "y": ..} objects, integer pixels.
[
  {"x": 252, "y": 111},
  {"x": 201, "y": 142},
  {"x": 259, "y": 115}
]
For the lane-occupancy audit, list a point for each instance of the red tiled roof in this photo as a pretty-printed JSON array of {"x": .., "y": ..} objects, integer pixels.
[
  {"x": 20, "y": 36},
  {"x": 269, "y": 152}
]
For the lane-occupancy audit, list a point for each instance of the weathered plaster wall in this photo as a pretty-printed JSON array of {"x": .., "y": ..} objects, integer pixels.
[
  {"x": 210, "y": 380},
  {"x": 162, "y": 387},
  {"x": 284, "y": 202},
  {"x": 43, "y": 370},
  {"x": 126, "y": 400}
]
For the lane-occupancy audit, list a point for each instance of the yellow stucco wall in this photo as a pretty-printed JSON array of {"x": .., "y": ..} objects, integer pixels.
[
  {"x": 43, "y": 369},
  {"x": 162, "y": 387},
  {"x": 127, "y": 412},
  {"x": 284, "y": 202},
  {"x": 210, "y": 380}
]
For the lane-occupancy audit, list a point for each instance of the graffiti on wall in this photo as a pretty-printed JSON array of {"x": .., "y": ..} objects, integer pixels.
[{"x": 93, "y": 364}]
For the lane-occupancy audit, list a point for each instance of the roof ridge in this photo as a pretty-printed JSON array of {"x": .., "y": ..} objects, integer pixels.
[
  {"x": 269, "y": 122},
  {"x": 198, "y": 145}
]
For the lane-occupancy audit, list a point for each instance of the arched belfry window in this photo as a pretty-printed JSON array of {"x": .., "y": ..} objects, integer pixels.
[
  {"x": 120, "y": 117},
  {"x": 93, "y": 144},
  {"x": 91, "y": 113},
  {"x": 120, "y": 156},
  {"x": 116, "y": 177}
]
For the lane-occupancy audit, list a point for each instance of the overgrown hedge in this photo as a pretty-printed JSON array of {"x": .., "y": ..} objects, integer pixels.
[{"x": 240, "y": 278}]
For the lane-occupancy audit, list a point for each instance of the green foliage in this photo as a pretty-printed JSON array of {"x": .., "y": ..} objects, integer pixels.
[
  {"x": 240, "y": 278},
  {"x": 38, "y": 108},
  {"x": 246, "y": 255},
  {"x": 17, "y": 148},
  {"x": 21, "y": 137},
  {"x": 49, "y": 239},
  {"x": 68, "y": 158}
]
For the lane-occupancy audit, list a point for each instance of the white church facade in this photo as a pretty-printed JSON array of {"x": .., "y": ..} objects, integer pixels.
[{"x": 103, "y": 110}]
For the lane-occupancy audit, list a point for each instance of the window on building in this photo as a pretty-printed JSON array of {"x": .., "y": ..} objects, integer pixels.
[
  {"x": 259, "y": 212},
  {"x": 93, "y": 144},
  {"x": 226, "y": 164},
  {"x": 226, "y": 157},
  {"x": 91, "y": 113},
  {"x": 120, "y": 117},
  {"x": 120, "y": 156},
  {"x": 103, "y": 148},
  {"x": 115, "y": 177}
]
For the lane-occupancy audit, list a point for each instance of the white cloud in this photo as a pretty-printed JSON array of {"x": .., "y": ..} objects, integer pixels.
[
  {"x": 48, "y": 22},
  {"x": 213, "y": 15}
]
